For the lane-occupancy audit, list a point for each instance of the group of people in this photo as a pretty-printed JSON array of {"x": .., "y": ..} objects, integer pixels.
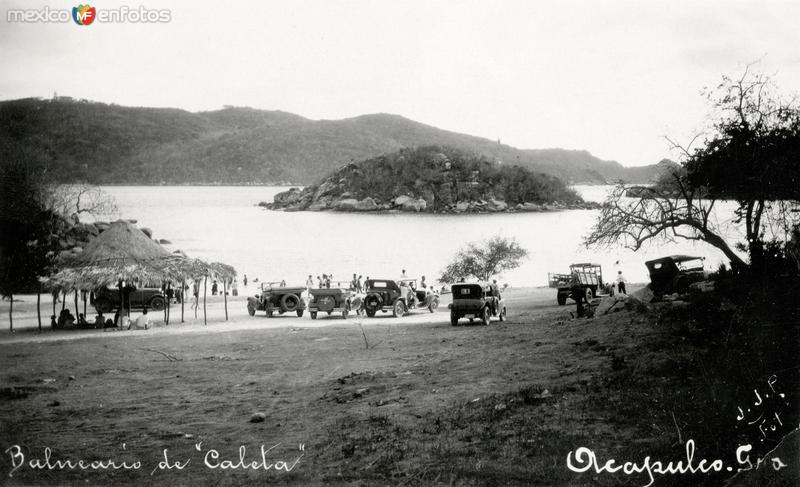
[{"x": 67, "y": 320}]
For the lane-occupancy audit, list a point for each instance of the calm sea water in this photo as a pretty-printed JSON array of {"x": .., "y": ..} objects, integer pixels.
[{"x": 224, "y": 224}]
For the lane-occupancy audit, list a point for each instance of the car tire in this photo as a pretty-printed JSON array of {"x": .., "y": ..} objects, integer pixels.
[
  {"x": 589, "y": 295},
  {"x": 299, "y": 313},
  {"x": 156, "y": 303},
  {"x": 290, "y": 302},
  {"x": 503, "y": 314},
  {"x": 486, "y": 317},
  {"x": 370, "y": 313},
  {"x": 313, "y": 315},
  {"x": 398, "y": 309},
  {"x": 453, "y": 319}
]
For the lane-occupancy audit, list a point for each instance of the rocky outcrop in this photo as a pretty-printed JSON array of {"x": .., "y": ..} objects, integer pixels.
[{"x": 421, "y": 181}]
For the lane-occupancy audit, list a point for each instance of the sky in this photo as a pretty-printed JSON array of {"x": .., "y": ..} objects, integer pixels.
[{"x": 611, "y": 77}]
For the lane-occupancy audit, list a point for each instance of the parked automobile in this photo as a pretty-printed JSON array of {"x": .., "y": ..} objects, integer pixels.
[
  {"x": 476, "y": 301},
  {"x": 336, "y": 299},
  {"x": 107, "y": 299},
  {"x": 385, "y": 295},
  {"x": 589, "y": 275},
  {"x": 674, "y": 273},
  {"x": 276, "y": 298}
]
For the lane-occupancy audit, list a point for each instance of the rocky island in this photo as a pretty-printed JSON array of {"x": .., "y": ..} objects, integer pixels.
[{"x": 431, "y": 179}]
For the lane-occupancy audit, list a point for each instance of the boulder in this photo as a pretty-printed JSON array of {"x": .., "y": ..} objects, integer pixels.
[
  {"x": 347, "y": 204},
  {"x": 288, "y": 197},
  {"x": 414, "y": 205},
  {"x": 320, "y": 204},
  {"x": 528, "y": 206},
  {"x": 644, "y": 295},
  {"x": 367, "y": 204},
  {"x": 497, "y": 205},
  {"x": 402, "y": 199},
  {"x": 609, "y": 303}
]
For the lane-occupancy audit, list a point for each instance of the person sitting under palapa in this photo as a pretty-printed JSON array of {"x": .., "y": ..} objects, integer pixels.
[{"x": 142, "y": 322}]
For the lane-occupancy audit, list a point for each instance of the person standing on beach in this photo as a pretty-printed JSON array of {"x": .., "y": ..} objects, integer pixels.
[
  {"x": 244, "y": 280},
  {"x": 621, "y": 283},
  {"x": 359, "y": 284}
]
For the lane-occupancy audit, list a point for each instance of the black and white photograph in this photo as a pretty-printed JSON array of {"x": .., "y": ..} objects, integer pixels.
[{"x": 400, "y": 243}]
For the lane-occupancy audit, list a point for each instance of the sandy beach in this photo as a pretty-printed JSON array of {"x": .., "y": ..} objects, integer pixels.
[{"x": 399, "y": 400}]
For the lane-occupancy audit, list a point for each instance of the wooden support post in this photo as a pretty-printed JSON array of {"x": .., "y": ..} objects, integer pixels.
[
  {"x": 183, "y": 295},
  {"x": 39, "y": 309},
  {"x": 225, "y": 294},
  {"x": 205, "y": 282}
]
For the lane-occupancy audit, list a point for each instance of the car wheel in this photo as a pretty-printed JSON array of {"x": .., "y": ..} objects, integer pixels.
[
  {"x": 562, "y": 299},
  {"x": 398, "y": 309},
  {"x": 370, "y": 313},
  {"x": 299, "y": 313},
  {"x": 453, "y": 319},
  {"x": 503, "y": 315},
  {"x": 486, "y": 317},
  {"x": 313, "y": 315},
  {"x": 157, "y": 303},
  {"x": 589, "y": 295},
  {"x": 290, "y": 302}
]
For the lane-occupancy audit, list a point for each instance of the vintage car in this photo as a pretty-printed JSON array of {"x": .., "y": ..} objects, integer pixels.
[
  {"x": 336, "y": 299},
  {"x": 107, "y": 299},
  {"x": 589, "y": 275},
  {"x": 674, "y": 274},
  {"x": 276, "y": 298},
  {"x": 385, "y": 295},
  {"x": 481, "y": 301}
]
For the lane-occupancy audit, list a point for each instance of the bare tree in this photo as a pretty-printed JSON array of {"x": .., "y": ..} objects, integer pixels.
[
  {"x": 80, "y": 199},
  {"x": 748, "y": 156},
  {"x": 665, "y": 211}
]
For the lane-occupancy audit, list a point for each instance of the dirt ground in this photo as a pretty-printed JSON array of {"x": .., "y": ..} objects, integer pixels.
[{"x": 381, "y": 401}]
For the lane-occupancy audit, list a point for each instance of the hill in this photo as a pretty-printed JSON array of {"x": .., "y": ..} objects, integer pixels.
[
  {"x": 431, "y": 179},
  {"x": 100, "y": 143}
]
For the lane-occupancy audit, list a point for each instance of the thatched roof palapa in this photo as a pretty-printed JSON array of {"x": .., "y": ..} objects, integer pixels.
[{"x": 121, "y": 253}]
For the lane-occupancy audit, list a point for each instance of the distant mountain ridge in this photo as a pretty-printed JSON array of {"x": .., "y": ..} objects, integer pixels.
[{"x": 107, "y": 144}]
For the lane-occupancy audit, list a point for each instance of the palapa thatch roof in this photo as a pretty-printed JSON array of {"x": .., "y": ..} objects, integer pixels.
[
  {"x": 124, "y": 253},
  {"x": 121, "y": 245}
]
